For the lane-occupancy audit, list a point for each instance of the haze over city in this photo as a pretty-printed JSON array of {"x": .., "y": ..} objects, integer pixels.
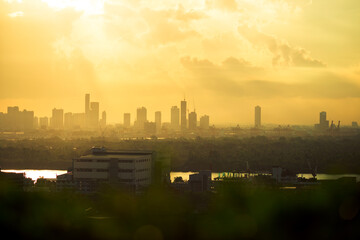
[{"x": 293, "y": 58}]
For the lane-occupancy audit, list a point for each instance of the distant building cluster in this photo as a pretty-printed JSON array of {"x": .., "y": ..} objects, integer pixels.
[
  {"x": 17, "y": 121},
  {"x": 180, "y": 120}
]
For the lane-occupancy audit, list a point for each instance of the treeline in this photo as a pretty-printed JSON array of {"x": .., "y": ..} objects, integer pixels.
[{"x": 328, "y": 154}]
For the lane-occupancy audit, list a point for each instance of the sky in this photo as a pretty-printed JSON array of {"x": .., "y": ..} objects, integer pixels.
[{"x": 294, "y": 58}]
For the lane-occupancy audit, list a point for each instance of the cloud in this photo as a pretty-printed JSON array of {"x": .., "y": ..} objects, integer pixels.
[
  {"x": 283, "y": 53},
  {"x": 226, "y": 5},
  {"x": 232, "y": 77}
]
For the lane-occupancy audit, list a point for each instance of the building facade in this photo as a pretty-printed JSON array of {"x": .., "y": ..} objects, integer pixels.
[{"x": 132, "y": 169}]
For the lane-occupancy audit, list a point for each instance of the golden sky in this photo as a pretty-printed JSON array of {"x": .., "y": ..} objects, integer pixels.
[{"x": 294, "y": 58}]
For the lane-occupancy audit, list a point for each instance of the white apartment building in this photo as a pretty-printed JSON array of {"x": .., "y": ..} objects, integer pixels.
[{"x": 132, "y": 169}]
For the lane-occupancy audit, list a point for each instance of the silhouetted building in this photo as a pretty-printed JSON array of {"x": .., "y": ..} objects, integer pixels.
[
  {"x": 200, "y": 182},
  {"x": 128, "y": 168},
  {"x": 183, "y": 115},
  {"x": 150, "y": 128},
  {"x": 87, "y": 104},
  {"x": 192, "y": 120},
  {"x": 324, "y": 124},
  {"x": 79, "y": 120},
  {"x": 354, "y": 124},
  {"x": 94, "y": 114},
  {"x": 141, "y": 118},
  {"x": 158, "y": 121},
  {"x": 103, "y": 119},
  {"x": 257, "y": 117},
  {"x": 127, "y": 120},
  {"x": 44, "y": 122},
  {"x": 68, "y": 120},
  {"x": 204, "y": 122},
  {"x": 36, "y": 123},
  {"x": 57, "y": 119},
  {"x": 175, "y": 117}
]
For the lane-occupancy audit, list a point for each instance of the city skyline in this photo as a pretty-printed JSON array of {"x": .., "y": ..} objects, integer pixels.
[{"x": 228, "y": 55}]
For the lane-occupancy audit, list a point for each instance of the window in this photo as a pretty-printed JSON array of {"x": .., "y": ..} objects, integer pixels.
[
  {"x": 84, "y": 169},
  {"x": 126, "y": 170},
  {"x": 84, "y": 160}
]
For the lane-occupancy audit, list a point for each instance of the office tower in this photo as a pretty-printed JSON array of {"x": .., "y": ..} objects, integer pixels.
[
  {"x": 158, "y": 121},
  {"x": 141, "y": 118},
  {"x": 26, "y": 120},
  {"x": 183, "y": 115},
  {"x": 68, "y": 120},
  {"x": 94, "y": 114},
  {"x": 103, "y": 119},
  {"x": 192, "y": 121},
  {"x": 204, "y": 122},
  {"x": 127, "y": 120},
  {"x": 13, "y": 118},
  {"x": 175, "y": 118},
  {"x": 36, "y": 123},
  {"x": 57, "y": 119},
  {"x": 87, "y": 103},
  {"x": 79, "y": 120},
  {"x": 257, "y": 117},
  {"x": 44, "y": 122},
  {"x": 323, "y": 124}
]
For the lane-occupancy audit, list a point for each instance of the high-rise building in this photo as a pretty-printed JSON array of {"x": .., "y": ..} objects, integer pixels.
[
  {"x": 127, "y": 120},
  {"x": 68, "y": 120},
  {"x": 257, "y": 117},
  {"x": 158, "y": 121},
  {"x": 192, "y": 121},
  {"x": 44, "y": 122},
  {"x": 13, "y": 119},
  {"x": 79, "y": 120},
  {"x": 175, "y": 117},
  {"x": 103, "y": 119},
  {"x": 204, "y": 122},
  {"x": 324, "y": 124},
  {"x": 141, "y": 118},
  {"x": 94, "y": 114},
  {"x": 183, "y": 115},
  {"x": 57, "y": 119},
  {"x": 87, "y": 103},
  {"x": 27, "y": 120}
]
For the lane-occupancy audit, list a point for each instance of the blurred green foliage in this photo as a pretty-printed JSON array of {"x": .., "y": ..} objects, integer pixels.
[{"x": 236, "y": 211}]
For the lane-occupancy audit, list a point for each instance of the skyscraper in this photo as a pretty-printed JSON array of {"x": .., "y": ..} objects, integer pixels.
[
  {"x": 257, "y": 117},
  {"x": 323, "y": 124},
  {"x": 158, "y": 121},
  {"x": 127, "y": 120},
  {"x": 94, "y": 114},
  {"x": 192, "y": 120},
  {"x": 141, "y": 118},
  {"x": 175, "y": 117},
  {"x": 204, "y": 122},
  {"x": 87, "y": 103},
  {"x": 44, "y": 122},
  {"x": 68, "y": 120},
  {"x": 57, "y": 119},
  {"x": 103, "y": 119},
  {"x": 183, "y": 115}
]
